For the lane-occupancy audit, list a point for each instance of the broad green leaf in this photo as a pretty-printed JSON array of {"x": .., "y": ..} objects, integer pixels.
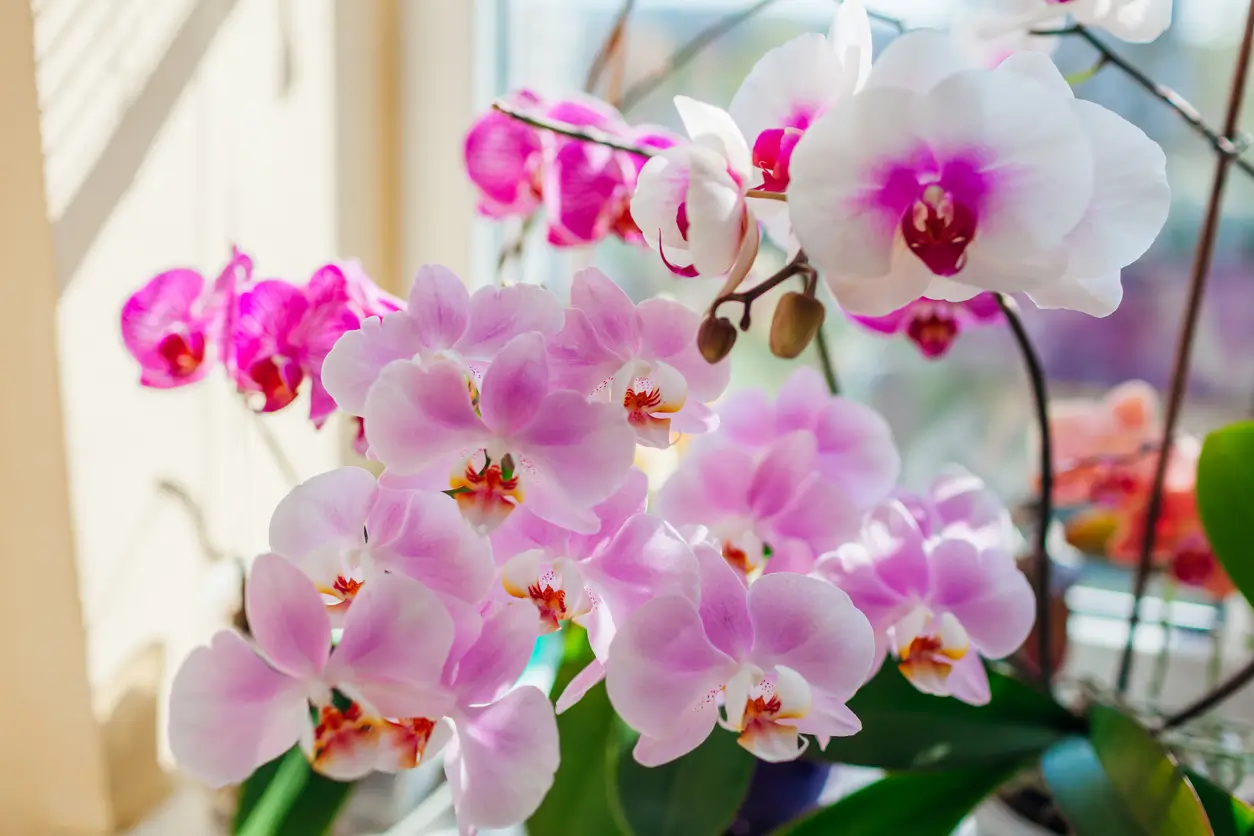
[
  {"x": 917, "y": 803},
  {"x": 287, "y": 798},
  {"x": 905, "y": 729},
  {"x": 579, "y": 801},
  {"x": 696, "y": 795},
  {"x": 1225, "y": 500},
  {"x": 1083, "y": 792},
  {"x": 1228, "y": 816},
  {"x": 1145, "y": 776}
]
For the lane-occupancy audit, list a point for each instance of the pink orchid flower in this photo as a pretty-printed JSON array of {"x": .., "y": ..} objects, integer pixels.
[
  {"x": 512, "y": 437},
  {"x": 1101, "y": 449},
  {"x": 343, "y": 530},
  {"x": 503, "y": 751},
  {"x": 643, "y": 357},
  {"x": 174, "y": 326},
  {"x": 441, "y": 320},
  {"x": 855, "y": 449},
  {"x": 933, "y": 324},
  {"x": 235, "y": 706},
  {"x": 774, "y": 505},
  {"x": 932, "y": 600},
  {"x": 690, "y": 199},
  {"x": 586, "y": 186},
  {"x": 782, "y": 656},
  {"x": 504, "y": 159},
  {"x": 600, "y": 589},
  {"x": 959, "y": 504},
  {"x": 787, "y": 89},
  {"x": 284, "y": 334},
  {"x": 889, "y": 214},
  {"x": 524, "y": 531}
]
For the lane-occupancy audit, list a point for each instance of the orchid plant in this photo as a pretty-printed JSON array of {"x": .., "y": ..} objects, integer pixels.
[{"x": 780, "y": 598}]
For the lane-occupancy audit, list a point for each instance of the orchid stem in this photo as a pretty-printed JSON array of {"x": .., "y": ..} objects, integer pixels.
[
  {"x": 825, "y": 360},
  {"x": 609, "y": 47},
  {"x": 584, "y": 134},
  {"x": 799, "y": 266},
  {"x": 1226, "y": 143},
  {"x": 1217, "y": 695},
  {"x": 1188, "y": 330},
  {"x": 1040, "y": 394},
  {"x": 765, "y": 195},
  {"x": 682, "y": 56}
]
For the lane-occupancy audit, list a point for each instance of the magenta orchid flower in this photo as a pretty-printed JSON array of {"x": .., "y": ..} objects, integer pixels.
[
  {"x": 1053, "y": 198},
  {"x": 782, "y": 657},
  {"x": 690, "y": 200},
  {"x": 235, "y": 706},
  {"x": 284, "y": 334},
  {"x": 587, "y": 186},
  {"x": 939, "y": 603},
  {"x": 772, "y": 505},
  {"x": 176, "y": 328},
  {"x": 344, "y": 530},
  {"x": 932, "y": 324},
  {"x": 855, "y": 449},
  {"x": 504, "y": 159},
  {"x": 441, "y": 320},
  {"x": 787, "y": 89},
  {"x": 514, "y": 437},
  {"x": 643, "y": 357}
]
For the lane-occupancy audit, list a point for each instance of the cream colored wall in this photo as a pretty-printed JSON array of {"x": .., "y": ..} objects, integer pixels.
[{"x": 172, "y": 129}]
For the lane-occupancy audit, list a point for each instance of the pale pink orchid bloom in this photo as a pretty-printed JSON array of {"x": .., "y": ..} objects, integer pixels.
[
  {"x": 768, "y": 512},
  {"x": 235, "y": 706},
  {"x": 906, "y": 190},
  {"x": 932, "y": 324},
  {"x": 779, "y": 658},
  {"x": 503, "y": 751},
  {"x": 855, "y": 448},
  {"x": 176, "y": 328},
  {"x": 442, "y": 319},
  {"x": 504, "y": 159},
  {"x": 1103, "y": 448},
  {"x": 787, "y": 89},
  {"x": 284, "y": 333},
  {"x": 523, "y": 531},
  {"x": 1009, "y": 23},
  {"x": 938, "y": 603},
  {"x": 643, "y": 358},
  {"x": 958, "y": 504},
  {"x": 514, "y": 440},
  {"x": 344, "y": 530},
  {"x": 690, "y": 200},
  {"x": 600, "y": 589}
]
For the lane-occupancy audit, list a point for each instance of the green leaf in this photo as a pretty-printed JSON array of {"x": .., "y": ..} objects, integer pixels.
[
  {"x": 287, "y": 798},
  {"x": 1228, "y": 816},
  {"x": 1143, "y": 774},
  {"x": 918, "y": 803},
  {"x": 1084, "y": 793},
  {"x": 696, "y": 795},
  {"x": 905, "y": 729},
  {"x": 579, "y": 801},
  {"x": 1225, "y": 500}
]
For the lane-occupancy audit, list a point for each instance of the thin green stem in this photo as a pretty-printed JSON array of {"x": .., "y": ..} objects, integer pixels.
[{"x": 825, "y": 361}]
